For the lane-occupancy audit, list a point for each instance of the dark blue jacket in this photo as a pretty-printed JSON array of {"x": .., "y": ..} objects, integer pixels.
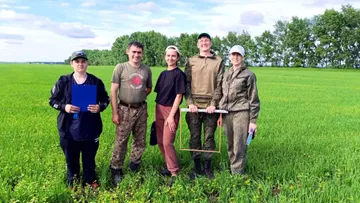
[{"x": 61, "y": 95}]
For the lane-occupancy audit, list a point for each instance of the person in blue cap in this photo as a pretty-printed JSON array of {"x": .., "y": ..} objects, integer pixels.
[{"x": 79, "y": 130}]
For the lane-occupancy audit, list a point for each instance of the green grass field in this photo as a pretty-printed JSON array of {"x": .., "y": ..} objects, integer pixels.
[{"x": 306, "y": 149}]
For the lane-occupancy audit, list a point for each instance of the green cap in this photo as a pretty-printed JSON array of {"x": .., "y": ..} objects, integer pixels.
[
  {"x": 204, "y": 35},
  {"x": 78, "y": 54}
]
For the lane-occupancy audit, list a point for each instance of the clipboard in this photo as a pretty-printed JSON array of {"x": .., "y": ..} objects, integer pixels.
[{"x": 83, "y": 96}]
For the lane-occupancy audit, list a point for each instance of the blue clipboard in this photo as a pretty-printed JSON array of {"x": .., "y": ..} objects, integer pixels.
[
  {"x": 250, "y": 136},
  {"x": 83, "y": 96}
]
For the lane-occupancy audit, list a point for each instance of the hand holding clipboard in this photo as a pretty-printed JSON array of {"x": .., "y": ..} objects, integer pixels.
[{"x": 250, "y": 136}]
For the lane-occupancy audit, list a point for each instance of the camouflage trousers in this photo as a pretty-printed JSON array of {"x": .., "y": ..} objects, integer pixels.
[
  {"x": 195, "y": 121},
  {"x": 132, "y": 120},
  {"x": 236, "y": 125}
]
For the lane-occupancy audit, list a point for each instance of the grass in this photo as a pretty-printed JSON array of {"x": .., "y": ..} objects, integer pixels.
[{"x": 306, "y": 148}]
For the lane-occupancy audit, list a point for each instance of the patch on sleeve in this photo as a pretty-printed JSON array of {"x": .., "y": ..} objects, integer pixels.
[
  {"x": 55, "y": 106},
  {"x": 53, "y": 89}
]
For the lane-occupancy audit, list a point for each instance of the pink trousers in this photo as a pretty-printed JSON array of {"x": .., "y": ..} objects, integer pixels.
[{"x": 166, "y": 138}]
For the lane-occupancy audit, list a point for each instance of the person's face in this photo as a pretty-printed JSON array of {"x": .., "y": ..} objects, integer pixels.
[
  {"x": 171, "y": 57},
  {"x": 204, "y": 44},
  {"x": 236, "y": 59},
  {"x": 135, "y": 54},
  {"x": 79, "y": 65}
]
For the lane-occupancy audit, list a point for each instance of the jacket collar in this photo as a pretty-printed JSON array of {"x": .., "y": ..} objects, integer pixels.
[{"x": 211, "y": 57}]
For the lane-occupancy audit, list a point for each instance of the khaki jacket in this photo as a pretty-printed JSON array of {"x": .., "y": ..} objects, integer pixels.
[{"x": 239, "y": 92}]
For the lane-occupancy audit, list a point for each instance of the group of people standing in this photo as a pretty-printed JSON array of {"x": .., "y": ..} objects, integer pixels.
[{"x": 204, "y": 84}]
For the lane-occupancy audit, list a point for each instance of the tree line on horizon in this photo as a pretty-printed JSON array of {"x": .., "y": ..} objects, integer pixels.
[{"x": 331, "y": 39}]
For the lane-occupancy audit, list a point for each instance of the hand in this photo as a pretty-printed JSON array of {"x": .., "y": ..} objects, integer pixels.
[
  {"x": 210, "y": 109},
  {"x": 71, "y": 109},
  {"x": 94, "y": 108},
  {"x": 170, "y": 122},
  {"x": 116, "y": 119},
  {"x": 193, "y": 108},
  {"x": 219, "y": 121},
  {"x": 252, "y": 126}
]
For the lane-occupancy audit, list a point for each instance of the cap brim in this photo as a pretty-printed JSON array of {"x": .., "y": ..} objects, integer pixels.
[
  {"x": 204, "y": 35},
  {"x": 78, "y": 57}
]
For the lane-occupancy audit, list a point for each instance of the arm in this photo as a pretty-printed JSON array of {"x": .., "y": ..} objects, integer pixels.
[
  {"x": 103, "y": 97},
  {"x": 218, "y": 91},
  {"x": 148, "y": 90},
  {"x": 175, "y": 105},
  {"x": 170, "y": 121},
  {"x": 57, "y": 95},
  {"x": 149, "y": 83},
  {"x": 254, "y": 101},
  {"x": 188, "y": 75},
  {"x": 113, "y": 98}
]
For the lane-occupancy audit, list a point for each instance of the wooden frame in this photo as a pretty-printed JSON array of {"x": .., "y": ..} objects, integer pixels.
[{"x": 201, "y": 150}]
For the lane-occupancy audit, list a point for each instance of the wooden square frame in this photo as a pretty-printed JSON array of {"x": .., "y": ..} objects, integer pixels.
[{"x": 200, "y": 150}]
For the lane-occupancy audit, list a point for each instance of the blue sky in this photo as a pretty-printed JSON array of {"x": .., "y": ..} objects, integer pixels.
[{"x": 51, "y": 30}]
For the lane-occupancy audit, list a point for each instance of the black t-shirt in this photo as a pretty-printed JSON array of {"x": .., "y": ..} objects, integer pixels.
[
  {"x": 169, "y": 84},
  {"x": 81, "y": 125}
]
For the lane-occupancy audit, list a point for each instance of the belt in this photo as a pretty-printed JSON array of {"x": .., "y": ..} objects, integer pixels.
[{"x": 133, "y": 106}]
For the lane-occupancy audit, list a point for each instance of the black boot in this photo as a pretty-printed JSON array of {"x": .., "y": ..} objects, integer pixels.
[
  {"x": 197, "y": 169},
  {"x": 134, "y": 167},
  {"x": 117, "y": 176},
  {"x": 207, "y": 169}
]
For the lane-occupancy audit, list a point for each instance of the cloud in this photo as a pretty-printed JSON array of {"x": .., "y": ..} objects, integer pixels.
[
  {"x": 252, "y": 18},
  {"x": 72, "y": 30},
  {"x": 321, "y": 3},
  {"x": 22, "y": 7},
  {"x": 160, "y": 22},
  {"x": 96, "y": 43},
  {"x": 64, "y": 4},
  {"x": 11, "y": 36},
  {"x": 147, "y": 6},
  {"x": 68, "y": 29},
  {"x": 12, "y": 15},
  {"x": 181, "y": 4},
  {"x": 88, "y": 3},
  {"x": 15, "y": 42}
]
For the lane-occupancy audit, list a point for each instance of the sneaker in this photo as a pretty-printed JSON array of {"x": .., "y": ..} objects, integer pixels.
[
  {"x": 165, "y": 172},
  {"x": 94, "y": 186}
]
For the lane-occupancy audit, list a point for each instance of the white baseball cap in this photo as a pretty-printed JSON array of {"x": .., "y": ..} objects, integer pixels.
[
  {"x": 237, "y": 49},
  {"x": 173, "y": 48}
]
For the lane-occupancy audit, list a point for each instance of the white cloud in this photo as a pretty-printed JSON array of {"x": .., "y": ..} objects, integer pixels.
[
  {"x": 96, "y": 24},
  {"x": 96, "y": 43},
  {"x": 11, "y": 36},
  {"x": 13, "y": 42},
  {"x": 147, "y": 6},
  {"x": 88, "y": 3},
  {"x": 160, "y": 22},
  {"x": 64, "y": 4},
  {"x": 73, "y": 30},
  {"x": 69, "y": 29},
  {"x": 22, "y": 7},
  {"x": 252, "y": 18},
  {"x": 12, "y": 15}
]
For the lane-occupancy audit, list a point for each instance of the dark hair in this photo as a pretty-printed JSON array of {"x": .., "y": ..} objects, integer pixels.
[{"x": 136, "y": 44}]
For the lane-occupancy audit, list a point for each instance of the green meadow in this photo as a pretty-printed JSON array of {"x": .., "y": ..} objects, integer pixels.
[{"x": 306, "y": 148}]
